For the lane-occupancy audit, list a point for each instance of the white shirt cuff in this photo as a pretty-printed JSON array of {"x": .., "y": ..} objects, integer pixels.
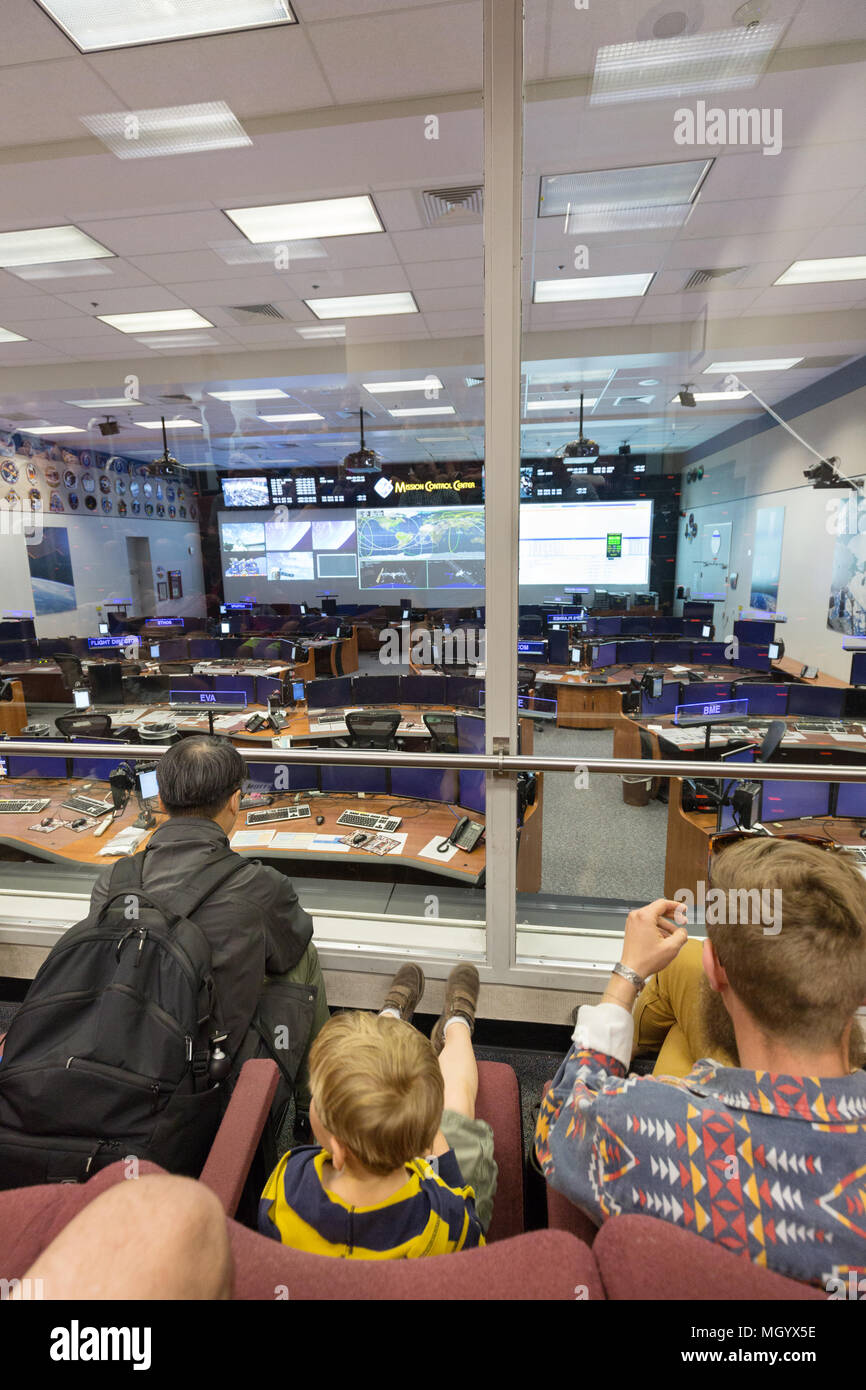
[{"x": 605, "y": 1028}]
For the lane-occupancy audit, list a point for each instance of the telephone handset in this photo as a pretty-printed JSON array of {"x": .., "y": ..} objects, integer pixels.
[
  {"x": 253, "y": 725},
  {"x": 465, "y": 836}
]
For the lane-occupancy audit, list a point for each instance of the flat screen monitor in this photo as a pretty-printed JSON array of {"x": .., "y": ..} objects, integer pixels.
[
  {"x": 471, "y": 793},
  {"x": 632, "y": 625},
  {"x": 426, "y": 690},
  {"x": 245, "y": 492},
  {"x": 708, "y": 653},
  {"x": 752, "y": 658},
  {"x": 225, "y": 628},
  {"x": 329, "y": 694},
  {"x": 147, "y": 785},
  {"x": 694, "y": 608},
  {"x": 706, "y": 630},
  {"x": 672, "y": 652},
  {"x": 604, "y": 654},
  {"x": 774, "y": 651},
  {"x": 858, "y": 668},
  {"x": 470, "y": 733},
  {"x": 666, "y": 702},
  {"x": 425, "y": 783},
  {"x": 377, "y": 690},
  {"x": 29, "y": 765},
  {"x": 103, "y": 629},
  {"x": 575, "y": 656},
  {"x": 298, "y": 691},
  {"x": 826, "y": 701},
  {"x": 608, "y": 627},
  {"x": 851, "y": 800},
  {"x": 81, "y": 699},
  {"x": 754, "y": 634},
  {"x": 329, "y": 606},
  {"x": 463, "y": 691},
  {"x": 765, "y": 699},
  {"x": 792, "y": 800},
  {"x": 702, "y": 692},
  {"x": 282, "y": 777},
  {"x": 154, "y": 650},
  {"x": 634, "y": 653},
  {"x": 351, "y": 780}
]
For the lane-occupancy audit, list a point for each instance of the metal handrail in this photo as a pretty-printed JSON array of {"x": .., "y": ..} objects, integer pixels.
[{"x": 644, "y": 768}]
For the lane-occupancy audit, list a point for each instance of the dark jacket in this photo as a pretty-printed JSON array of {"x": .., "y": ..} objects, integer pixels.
[{"x": 254, "y": 922}]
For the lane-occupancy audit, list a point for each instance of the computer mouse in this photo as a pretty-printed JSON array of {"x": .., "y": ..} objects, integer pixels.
[
  {"x": 863, "y": 833},
  {"x": 359, "y": 838},
  {"x": 320, "y": 820}
]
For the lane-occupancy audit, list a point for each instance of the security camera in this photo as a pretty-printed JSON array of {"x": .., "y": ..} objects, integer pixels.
[{"x": 823, "y": 474}]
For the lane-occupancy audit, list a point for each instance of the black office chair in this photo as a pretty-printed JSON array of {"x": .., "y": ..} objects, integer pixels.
[
  {"x": 70, "y": 668},
  {"x": 373, "y": 728},
  {"x": 443, "y": 731},
  {"x": 525, "y": 678},
  {"x": 84, "y": 725}
]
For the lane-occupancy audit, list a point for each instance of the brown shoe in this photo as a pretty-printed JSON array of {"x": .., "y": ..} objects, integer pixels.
[
  {"x": 405, "y": 990},
  {"x": 461, "y": 997}
]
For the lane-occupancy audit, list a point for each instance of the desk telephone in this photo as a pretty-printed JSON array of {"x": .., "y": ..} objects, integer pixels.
[
  {"x": 260, "y": 721},
  {"x": 465, "y": 836}
]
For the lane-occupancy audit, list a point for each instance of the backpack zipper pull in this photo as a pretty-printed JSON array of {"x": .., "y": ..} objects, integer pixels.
[
  {"x": 154, "y": 1090},
  {"x": 142, "y": 933}
]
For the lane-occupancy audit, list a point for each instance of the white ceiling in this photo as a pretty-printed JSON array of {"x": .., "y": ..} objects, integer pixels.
[{"x": 336, "y": 105}]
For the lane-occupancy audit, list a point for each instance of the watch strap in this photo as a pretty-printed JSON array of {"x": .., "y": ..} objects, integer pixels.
[{"x": 631, "y": 975}]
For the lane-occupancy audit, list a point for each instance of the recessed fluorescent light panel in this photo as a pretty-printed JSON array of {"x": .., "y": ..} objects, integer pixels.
[
  {"x": 692, "y": 64},
  {"x": 164, "y": 130},
  {"x": 48, "y": 245},
  {"x": 298, "y": 221},
  {"x": 716, "y": 396},
  {"x": 384, "y": 388},
  {"x": 424, "y": 410},
  {"x": 361, "y": 306},
  {"x": 572, "y": 404},
  {"x": 278, "y": 254},
  {"x": 52, "y": 429},
  {"x": 172, "y": 342},
  {"x": 73, "y": 270},
  {"x": 267, "y": 393},
  {"x": 610, "y": 200},
  {"x": 284, "y": 419},
  {"x": 314, "y": 331},
  {"x": 7, "y": 336},
  {"x": 169, "y": 424},
  {"x": 591, "y": 287},
  {"x": 110, "y": 403},
  {"x": 825, "y": 271},
  {"x": 93, "y": 25},
  {"x": 770, "y": 364},
  {"x": 160, "y": 321}
]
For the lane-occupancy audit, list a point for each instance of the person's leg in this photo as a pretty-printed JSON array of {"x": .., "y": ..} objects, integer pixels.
[
  {"x": 156, "y": 1237},
  {"x": 671, "y": 1018},
  {"x": 459, "y": 1069}
]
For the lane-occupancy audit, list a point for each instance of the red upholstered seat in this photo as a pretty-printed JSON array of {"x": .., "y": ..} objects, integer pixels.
[
  {"x": 642, "y": 1257},
  {"x": 498, "y": 1103}
]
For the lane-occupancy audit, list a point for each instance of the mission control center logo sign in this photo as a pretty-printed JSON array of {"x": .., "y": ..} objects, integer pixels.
[{"x": 384, "y": 486}]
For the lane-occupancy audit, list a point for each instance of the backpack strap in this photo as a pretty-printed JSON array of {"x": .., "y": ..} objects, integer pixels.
[{"x": 126, "y": 879}]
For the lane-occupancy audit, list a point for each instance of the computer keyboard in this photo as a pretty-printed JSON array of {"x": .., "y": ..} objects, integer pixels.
[
  {"x": 22, "y": 806},
  {"x": 86, "y": 806},
  {"x": 820, "y": 726},
  {"x": 278, "y": 813},
  {"x": 366, "y": 820}
]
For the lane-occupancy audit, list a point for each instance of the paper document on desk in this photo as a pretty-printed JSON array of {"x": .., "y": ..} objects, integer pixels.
[
  {"x": 430, "y": 851},
  {"x": 548, "y": 677},
  {"x": 228, "y": 723},
  {"x": 126, "y": 842},
  {"x": 848, "y": 738},
  {"x": 678, "y": 670},
  {"x": 302, "y": 840},
  {"x": 248, "y": 839},
  {"x": 793, "y": 738}
]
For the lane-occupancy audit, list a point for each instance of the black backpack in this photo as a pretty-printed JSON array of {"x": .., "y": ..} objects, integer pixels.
[{"x": 115, "y": 1050}]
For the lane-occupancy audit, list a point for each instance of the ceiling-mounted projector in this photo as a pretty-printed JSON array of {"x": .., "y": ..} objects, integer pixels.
[
  {"x": 686, "y": 397},
  {"x": 362, "y": 457},
  {"x": 579, "y": 448},
  {"x": 166, "y": 466},
  {"x": 109, "y": 426}
]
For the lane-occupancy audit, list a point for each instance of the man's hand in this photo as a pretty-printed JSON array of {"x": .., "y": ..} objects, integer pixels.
[{"x": 652, "y": 938}]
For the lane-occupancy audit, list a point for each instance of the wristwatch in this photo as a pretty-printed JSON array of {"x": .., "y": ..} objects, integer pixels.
[{"x": 631, "y": 975}]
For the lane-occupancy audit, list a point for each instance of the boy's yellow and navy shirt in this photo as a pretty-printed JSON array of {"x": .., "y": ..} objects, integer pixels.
[{"x": 431, "y": 1214}]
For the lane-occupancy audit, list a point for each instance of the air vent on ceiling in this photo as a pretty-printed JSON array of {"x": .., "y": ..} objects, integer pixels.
[
  {"x": 716, "y": 279},
  {"x": 253, "y": 313},
  {"x": 453, "y": 205}
]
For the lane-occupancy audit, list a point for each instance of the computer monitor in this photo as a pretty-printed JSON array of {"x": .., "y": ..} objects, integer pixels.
[
  {"x": 225, "y": 629},
  {"x": 471, "y": 790},
  {"x": 666, "y": 703},
  {"x": 377, "y": 690},
  {"x": 858, "y": 668},
  {"x": 754, "y": 634},
  {"x": 825, "y": 701},
  {"x": 704, "y": 692},
  {"x": 672, "y": 652},
  {"x": 752, "y": 658},
  {"x": 575, "y": 656},
  {"x": 462, "y": 691},
  {"x": 103, "y": 629},
  {"x": 298, "y": 692},
  {"x": 426, "y": 690},
  {"x": 608, "y": 627},
  {"x": 282, "y": 777},
  {"x": 604, "y": 654},
  {"x": 329, "y": 693},
  {"x": 634, "y": 653},
  {"x": 708, "y": 653},
  {"x": 765, "y": 699},
  {"x": 851, "y": 800},
  {"x": 329, "y": 606},
  {"x": 774, "y": 650},
  {"x": 147, "y": 784},
  {"x": 470, "y": 733},
  {"x": 29, "y": 765},
  {"x": 425, "y": 783},
  {"x": 793, "y": 800},
  {"x": 154, "y": 651},
  {"x": 706, "y": 629},
  {"x": 81, "y": 699},
  {"x": 373, "y": 780},
  {"x": 694, "y": 608},
  {"x": 302, "y": 607}
]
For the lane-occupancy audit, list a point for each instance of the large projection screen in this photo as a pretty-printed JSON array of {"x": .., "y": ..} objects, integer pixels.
[{"x": 603, "y": 545}]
